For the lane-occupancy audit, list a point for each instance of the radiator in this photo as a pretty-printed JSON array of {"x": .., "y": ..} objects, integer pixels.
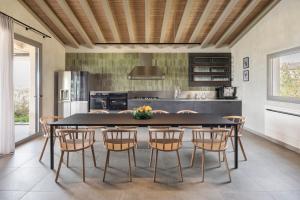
[{"x": 283, "y": 125}]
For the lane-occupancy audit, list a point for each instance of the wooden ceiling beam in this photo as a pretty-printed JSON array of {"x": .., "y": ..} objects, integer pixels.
[
  {"x": 250, "y": 8},
  {"x": 204, "y": 17},
  {"x": 51, "y": 15},
  {"x": 41, "y": 22},
  {"x": 221, "y": 20},
  {"x": 147, "y": 21},
  {"x": 129, "y": 21},
  {"x": 167, "y": 19},
  {"x": 186, "y": 13},
  {"x": 89, "y": 14},
  {"x": 111, "y": 21},
  {"x": 69, "y": 13}
]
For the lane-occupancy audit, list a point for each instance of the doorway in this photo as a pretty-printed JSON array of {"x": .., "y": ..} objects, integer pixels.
[{"x": 26, "y": 77}]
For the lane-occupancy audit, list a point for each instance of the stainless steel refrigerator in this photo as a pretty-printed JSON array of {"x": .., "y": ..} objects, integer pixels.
[{"x": 73, "y": 92}]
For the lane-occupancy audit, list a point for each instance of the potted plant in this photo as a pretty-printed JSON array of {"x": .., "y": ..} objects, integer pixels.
[{"x": 143, "y": 112}]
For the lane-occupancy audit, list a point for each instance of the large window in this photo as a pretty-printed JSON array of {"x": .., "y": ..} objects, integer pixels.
[{"x": 284, "y": 76}]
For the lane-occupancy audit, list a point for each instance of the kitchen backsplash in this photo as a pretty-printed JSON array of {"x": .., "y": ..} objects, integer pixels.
[{"x": 114, "y": 68}]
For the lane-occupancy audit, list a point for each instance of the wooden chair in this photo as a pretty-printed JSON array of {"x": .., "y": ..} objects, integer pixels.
[
  {"x": 186, "y": 111},
  {"x": 100, "y": 111},
  {"x": 73, "y": 140},
  {"x": 46, "y": 130},
  {"x": 116, "y": 139},
  {"x": 166, "y": 140},
  {"x": 126, "y": 111},
  {"x": 160, "y": 111},
  {"x": 157, "y": 127},
  {"x": 190, "y": 128},
  {"x": 241, "y": 121},
  {"x": 214, "y": 140}
]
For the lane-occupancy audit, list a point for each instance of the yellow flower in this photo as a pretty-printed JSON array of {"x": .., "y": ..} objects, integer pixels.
[
  {"x": 144, "y": 109},
  {"x": 148, "y": 108}
]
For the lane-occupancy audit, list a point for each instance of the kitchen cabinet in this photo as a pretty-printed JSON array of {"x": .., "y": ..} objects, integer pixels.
[
  {"x": 220, "y": 107},
  {"x": 209, "y": 69},
  {"x": 226, "y": 107}
]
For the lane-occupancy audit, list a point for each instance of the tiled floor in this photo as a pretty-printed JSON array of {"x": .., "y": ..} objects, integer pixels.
[
  {"x": 21, "y": 131},
  {"x": 271, "y": 172}
]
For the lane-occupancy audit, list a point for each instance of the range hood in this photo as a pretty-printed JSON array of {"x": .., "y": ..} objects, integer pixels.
[{"x": 145, "y": 70}]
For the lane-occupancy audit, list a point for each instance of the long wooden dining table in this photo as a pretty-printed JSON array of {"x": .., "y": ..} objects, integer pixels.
[{"x": 119, "y": 119}]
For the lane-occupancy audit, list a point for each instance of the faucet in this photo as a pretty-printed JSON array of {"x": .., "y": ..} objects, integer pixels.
[{"x": 177, "y": 92}]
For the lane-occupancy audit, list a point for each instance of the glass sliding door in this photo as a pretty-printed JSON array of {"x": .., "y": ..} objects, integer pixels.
[{"x": 26, "y": 88}]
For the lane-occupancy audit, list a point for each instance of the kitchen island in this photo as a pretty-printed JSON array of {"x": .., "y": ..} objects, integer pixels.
[{"x": 205, "y": 106}]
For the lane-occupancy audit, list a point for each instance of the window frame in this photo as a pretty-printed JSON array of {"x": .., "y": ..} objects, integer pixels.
[
  {"x": 270, "y": 95},
  {"x": 38, "y": 84}
]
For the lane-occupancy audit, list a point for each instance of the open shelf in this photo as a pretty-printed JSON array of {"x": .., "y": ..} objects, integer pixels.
[{"x": 209, "y": 69}]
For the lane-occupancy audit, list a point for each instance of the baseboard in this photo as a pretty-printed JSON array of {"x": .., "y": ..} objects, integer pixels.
[
  {"x": 297, "y": 150},
  {"x": 28, "y": 139}
]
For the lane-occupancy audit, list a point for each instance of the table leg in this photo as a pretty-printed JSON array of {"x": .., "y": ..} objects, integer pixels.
[
  {"x": 76, "y": 133},
  {"x": 51, "y": 147},
  {"x": 236, "y": 148}
]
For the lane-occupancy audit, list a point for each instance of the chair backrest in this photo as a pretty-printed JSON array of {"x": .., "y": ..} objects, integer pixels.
[
  {"x": 211, "y": 139},
  {"x": 44, "y": 123},
  {"x": 126, "y": 111},
  {"x": 167, "y": 138},
  {"x": 75, "y": 139},
  {"x": 187, "y": 111},
  {"x": 237, "y": 119},
  {"x": 118, "y": 139},
  {"x": 99, "y": 111},
  {"x": 160, "y": 111}
]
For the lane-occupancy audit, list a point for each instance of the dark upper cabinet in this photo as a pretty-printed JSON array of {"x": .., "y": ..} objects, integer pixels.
[{"x": 209, "y": 69}]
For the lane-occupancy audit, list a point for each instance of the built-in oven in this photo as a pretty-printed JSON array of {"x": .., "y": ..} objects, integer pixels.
[
  {"x": 102, "y": 100},
  {"x": 117, "y": 101},
  {"x": 99, "y": 101}
]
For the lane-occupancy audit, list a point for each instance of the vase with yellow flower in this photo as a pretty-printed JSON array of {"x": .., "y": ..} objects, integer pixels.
[{"x": 143, "y": 112}]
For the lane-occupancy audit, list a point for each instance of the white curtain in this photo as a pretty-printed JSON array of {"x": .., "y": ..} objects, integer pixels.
[{"x": 7, "y": 135}]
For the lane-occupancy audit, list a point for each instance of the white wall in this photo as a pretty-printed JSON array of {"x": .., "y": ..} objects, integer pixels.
[
  {"x": 53, "y": 57},
  {"x": 278, "y": 30}
]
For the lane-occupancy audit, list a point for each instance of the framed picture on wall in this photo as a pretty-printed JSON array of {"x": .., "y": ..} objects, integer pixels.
[
  {"x": 246, "y": 63},
  {"x": 246, "y": 75}
]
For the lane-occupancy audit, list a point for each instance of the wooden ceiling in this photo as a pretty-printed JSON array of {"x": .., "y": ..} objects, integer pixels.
[{"x": 207, "y": 23}]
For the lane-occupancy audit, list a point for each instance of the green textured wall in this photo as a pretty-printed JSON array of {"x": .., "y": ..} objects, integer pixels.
[{"x": 114, "y": 68}]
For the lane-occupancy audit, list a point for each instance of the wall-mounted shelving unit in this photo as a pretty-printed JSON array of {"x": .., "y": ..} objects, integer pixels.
[{"x": 209, "y": 69}]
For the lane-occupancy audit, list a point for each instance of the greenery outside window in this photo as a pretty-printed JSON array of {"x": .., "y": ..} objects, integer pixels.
[{"x": 284, "y": 76}]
